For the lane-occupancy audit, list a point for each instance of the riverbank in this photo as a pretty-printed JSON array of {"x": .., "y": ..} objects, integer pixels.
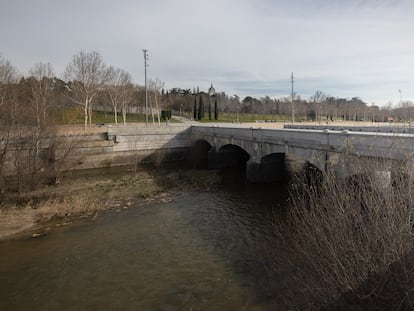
[{"x": 86, "y": 194}]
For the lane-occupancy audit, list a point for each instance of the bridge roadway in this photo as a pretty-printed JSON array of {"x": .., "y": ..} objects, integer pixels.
[{"x": 342, "y": 152}]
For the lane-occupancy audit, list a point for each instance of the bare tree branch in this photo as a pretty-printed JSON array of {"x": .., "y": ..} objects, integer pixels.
[{"x": 87, "y": 75}]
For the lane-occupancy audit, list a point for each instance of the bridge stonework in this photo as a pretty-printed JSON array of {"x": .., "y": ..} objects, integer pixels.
[{"x": 342, "y": 153}]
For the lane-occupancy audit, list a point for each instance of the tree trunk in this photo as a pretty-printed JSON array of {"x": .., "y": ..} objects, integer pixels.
[
  {"x": 124, "y": 116},
  {"x": 85, "y": 110},
  {"x": 90, "y": 114},
  {"x": 36, "y": 147},
  {"x": 44, "y": 112},
  {"x": 158, "y": 110},
  {"x": 152, "y": 111}
]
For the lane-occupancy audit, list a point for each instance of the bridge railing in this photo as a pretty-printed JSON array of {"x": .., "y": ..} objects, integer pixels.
[{"x": 381, "y": 128}]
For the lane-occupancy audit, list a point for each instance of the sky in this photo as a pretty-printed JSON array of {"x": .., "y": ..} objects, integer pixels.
[{"x": 344, "y": 48}]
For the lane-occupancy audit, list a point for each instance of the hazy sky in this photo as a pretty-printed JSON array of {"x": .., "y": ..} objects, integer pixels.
[{"x": 345, "y": 48}]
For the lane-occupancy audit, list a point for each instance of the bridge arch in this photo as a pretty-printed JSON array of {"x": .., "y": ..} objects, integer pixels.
[
  {"x": 341, "y": 153},
  {"x": 231, "y": 160},
  {"x": 199, "y": 153},
  {"x": 237, "y": 153},
  {"x": 265, "y": 160},
  {"x": 228, "y": 156}
]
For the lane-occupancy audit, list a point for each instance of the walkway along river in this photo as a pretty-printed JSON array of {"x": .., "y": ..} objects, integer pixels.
[{"x": 200, "y": 251}]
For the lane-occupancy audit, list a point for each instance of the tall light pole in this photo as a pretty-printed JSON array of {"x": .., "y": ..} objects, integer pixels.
[
  {"x": 146, "y": 87},
  {"x": 293, "y": 105}
]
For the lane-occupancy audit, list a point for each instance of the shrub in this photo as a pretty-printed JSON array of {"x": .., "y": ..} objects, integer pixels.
[{"x": 350, "y": 241}]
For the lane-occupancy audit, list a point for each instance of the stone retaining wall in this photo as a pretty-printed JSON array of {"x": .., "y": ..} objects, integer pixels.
[{"x": 116, "y": 146}]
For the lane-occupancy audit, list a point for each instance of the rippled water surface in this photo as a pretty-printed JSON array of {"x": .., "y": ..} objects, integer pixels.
[{"x": 201, "y": 251}]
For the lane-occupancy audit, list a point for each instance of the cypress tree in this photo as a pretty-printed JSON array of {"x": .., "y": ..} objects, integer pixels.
[
  {"x": 215, "y": 109},
  {"x": 201, "y": 109},
  {"x": 195, "y": 107},
  {"x": 209, "y": 108}
]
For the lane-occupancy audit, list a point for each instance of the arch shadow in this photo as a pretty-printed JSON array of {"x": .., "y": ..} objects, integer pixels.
[
  {"x": 270, "y": 169},
  {"x": 231, "y": 160},
  {"x": 198, "y": 154}
]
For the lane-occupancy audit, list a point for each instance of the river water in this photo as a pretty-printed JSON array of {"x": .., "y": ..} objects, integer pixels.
[{"x": 200, "y": 251}]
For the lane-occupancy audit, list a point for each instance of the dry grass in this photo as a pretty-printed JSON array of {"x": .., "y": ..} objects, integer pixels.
[
  {"x": 66, "y": 207},
  {"x": 84, "y": 194},
  {"x": 17, "y": 221}
]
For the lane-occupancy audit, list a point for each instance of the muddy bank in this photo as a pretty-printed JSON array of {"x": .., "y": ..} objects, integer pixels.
[{"x": 86, "y": 194}]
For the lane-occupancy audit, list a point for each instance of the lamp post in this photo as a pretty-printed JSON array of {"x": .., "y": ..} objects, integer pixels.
[
  {"x": 146, "y": 87},
  {"x": 293, "y": 104},
  {"x": 211, "y": 93}
]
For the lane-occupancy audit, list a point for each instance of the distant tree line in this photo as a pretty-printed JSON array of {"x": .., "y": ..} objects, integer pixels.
[
  {"x": 88, "y": 85},
  {"x": 32, "y": 104},
  {"x": 320, "y": 107}
]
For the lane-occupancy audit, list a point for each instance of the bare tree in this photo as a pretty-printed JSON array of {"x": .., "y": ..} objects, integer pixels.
[
  {"x": 86, "y": 74},
  {"x": 118, "y": 88},
  {"x": 127, "y": 100},
  {"x": 8, "y": 104},
  {"x": 60, "y": 157},
  {"x": 319, "y": 99},
  {"x": 155, "y": 87},
  {"x": 8, "y": 75},
  {"x": 40, "y": 83},
  {"x": 41, "y": 90}
]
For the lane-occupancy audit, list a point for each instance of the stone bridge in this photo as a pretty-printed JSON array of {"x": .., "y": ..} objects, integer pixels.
[
  {"x": 261, "y": 152},
  {"x": 342, "y": 153}
]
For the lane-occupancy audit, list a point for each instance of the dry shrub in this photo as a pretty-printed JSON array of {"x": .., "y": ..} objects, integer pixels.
[
  {"x": 350, "y": 243},
  {"x": 69, "y": 206}
]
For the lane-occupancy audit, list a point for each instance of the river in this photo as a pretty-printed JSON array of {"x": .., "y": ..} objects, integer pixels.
[{"x": 200, "y": 251}]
